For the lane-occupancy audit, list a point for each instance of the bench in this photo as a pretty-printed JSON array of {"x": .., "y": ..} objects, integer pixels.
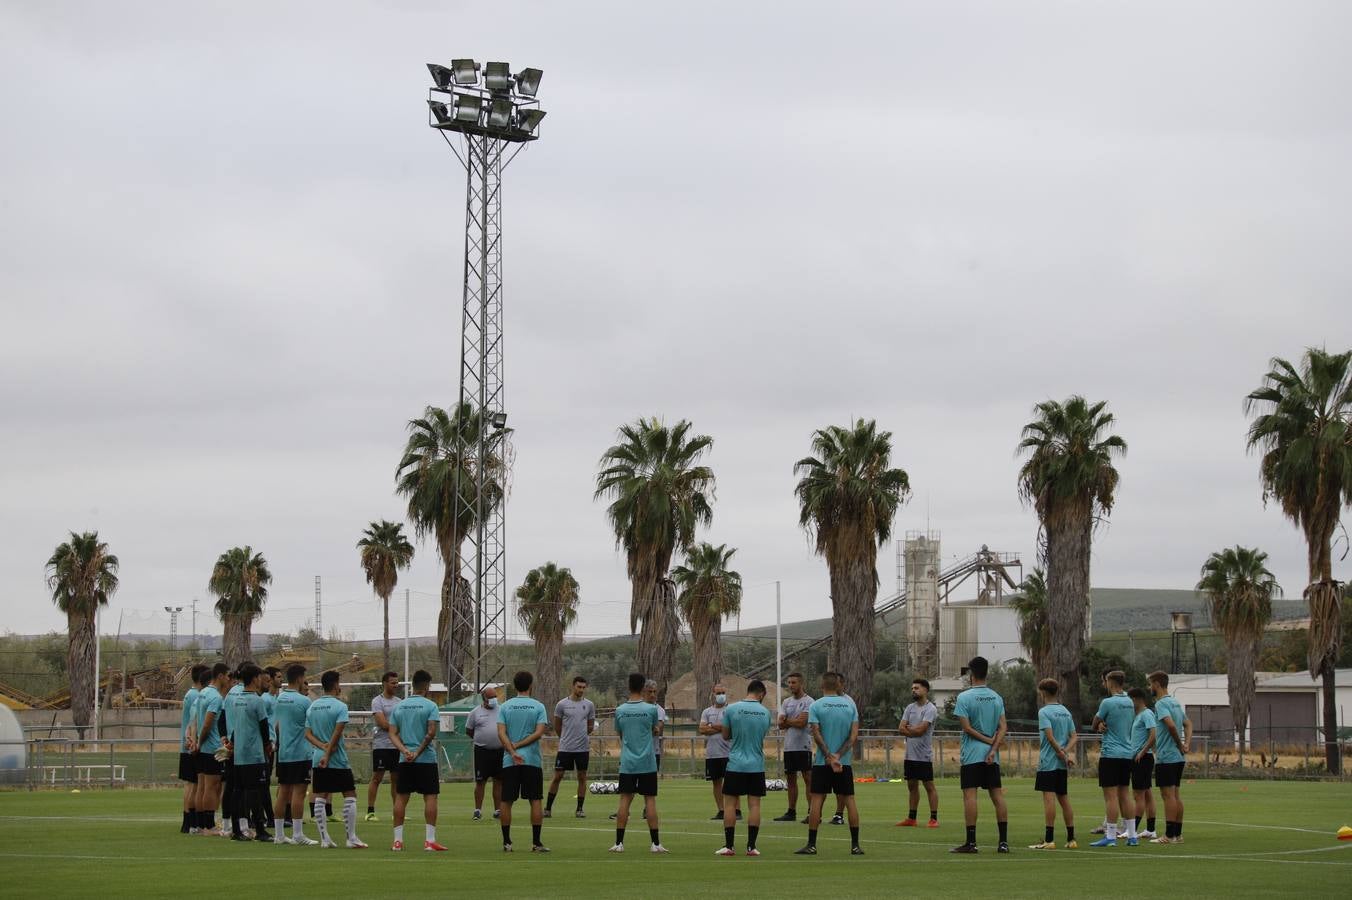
[{"x": 85, "y": 774}]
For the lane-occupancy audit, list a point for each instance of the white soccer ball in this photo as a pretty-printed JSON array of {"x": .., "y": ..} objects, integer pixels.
[{"x": 776, "y": 784}]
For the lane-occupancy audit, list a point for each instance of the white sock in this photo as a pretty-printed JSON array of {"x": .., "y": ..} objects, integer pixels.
[
  {"x": 399, "y": 833},
  {"x": 1131, "y": 826},
  {"x": 1110, "y": 830},
  {"x": 297, "y": 827},
  {"x": 322, "y": 820},
  {"x": 431, "y": 832},
  {"x": 350, "y": 817}
]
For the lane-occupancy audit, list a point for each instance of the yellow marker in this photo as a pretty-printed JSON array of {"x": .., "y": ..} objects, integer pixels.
[{"x": 1345, "y": 833}]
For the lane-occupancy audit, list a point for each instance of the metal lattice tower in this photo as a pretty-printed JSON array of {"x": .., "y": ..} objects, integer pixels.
[{"x": 493, "y": 123}]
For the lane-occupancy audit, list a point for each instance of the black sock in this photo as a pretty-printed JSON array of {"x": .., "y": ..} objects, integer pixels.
[
  {"x": 854, "y": 835},
  {"x": 653, "y": 836},
  {"x": 1070, "y": 832},
  {"x": 727, "y": 836},
  {"x": 1050, "y": 835},
  {"x": 370, "y": 809},
  {"x": 535, "y": 834},
  {"x": 1138, "y": 823},
  {"x": 506, "y": 834},
  {"x": 269, "y": 814},
  {"x": 751, "y": 832},
  {"x": 328, "y": 808},
  {"x": 619, "y": 835},
  {"x": 580, "y": 798},
  {"x": 971, "y": 835},
  {"x": 934, "y": 815},
  {"x": 1004, "y": 831},
  {"x": 186, "y": 816},
  {"x": 549, "y": 804},
  {"x": 1178, "y": 829},
  {"x": 910, "y": 814},
  {"x": 1150, "y": 823},
  {"x": 812, "y": 837}
]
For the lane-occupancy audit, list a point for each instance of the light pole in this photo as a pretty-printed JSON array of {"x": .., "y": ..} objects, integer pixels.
[
  {"x": 491, "y": 116},
  {"x": 173, "y": 612}
]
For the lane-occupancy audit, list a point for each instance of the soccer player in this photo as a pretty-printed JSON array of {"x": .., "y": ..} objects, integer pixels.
[
  {"x": 981, "y": 714},
  {"x": 210, "y": 702},
  {"x": 1143, "y": 728},
  {"x": 839, "y": 817},
  {"x": 650, "y": 696},
  {"x": 413, "y": 728},
  {"x": 1113, "y": 720},
  {"x": 325, "y": 722},
  {"x": 187, "y": 745},
  {"x": 637, "y": 724},
  {"x": 228, "y": 789},
  {"x": 384, "y": 757},
  {"x": 249, "y": 738},
  {"x": 716, "y": 747},
  {"x": 293, "y": 756},
  {"x": 522, "y": 721},
  {"x": 1056, "y": 726},
  {"x": 1173, "y": 739},
  {"x": 745, "y": 725},
  {"x": 833, "y": 720},
  {"x": 482, "y": 726},
  {"x": 1102, "y": 827},
  {"x": 271, "y": 689},
  {"x": 797, "y": 743},
  {"x": 574, "y": 721},
  {"x": 917, "y": 726}
]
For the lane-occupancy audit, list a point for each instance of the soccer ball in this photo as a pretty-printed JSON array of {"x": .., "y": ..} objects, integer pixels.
[
  {"x": 604, "y": 787},
  {"x": 776, "y": 784}
]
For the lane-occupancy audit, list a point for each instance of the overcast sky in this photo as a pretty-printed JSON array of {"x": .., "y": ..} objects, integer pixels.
[{"x": 231, "y": 254}]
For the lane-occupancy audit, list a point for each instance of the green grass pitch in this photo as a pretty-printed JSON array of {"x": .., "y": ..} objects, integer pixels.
[{"x": 1242, "y": 839}]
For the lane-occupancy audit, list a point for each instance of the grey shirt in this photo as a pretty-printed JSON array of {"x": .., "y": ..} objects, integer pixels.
[
  {"x": 796, "y": 738},
  {"x": 381, "y": 739},
  {"x": 575, "y": 714},
  {"x": 715, "y": 745},
  {"x": 482, "y": 725},
  {"x": 657, "y": 738},
  {"x": 920, "y": 749}
]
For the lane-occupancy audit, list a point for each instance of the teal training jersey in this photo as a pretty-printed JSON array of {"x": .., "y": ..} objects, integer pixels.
[
  {"x": 323, "y": 716},
  {"x": 410, "y": 719},
  {"x": 634, "y": 723},
  {"x": 1117, "y": 712},
  {"x": 1166, "y": 748},
  {"x": 748, "y": 721},
  {"x": 245, "y": 713},
  {"x": 209, "y": 702},
  {"x": 289, "y": 720},
  {"x": 833, "y": 715},
  {"x": 1062, "y": 723},
  {"x": 982, "y": 708},
  {"x": 270, "y": 703},
  {"x": 522, "y": 715},
  {"x": 185, "y": 720},
  {"x": 1140, "y": 730}
]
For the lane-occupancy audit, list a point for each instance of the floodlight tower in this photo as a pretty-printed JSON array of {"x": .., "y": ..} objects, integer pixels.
[{"x": 495, "y": 118}]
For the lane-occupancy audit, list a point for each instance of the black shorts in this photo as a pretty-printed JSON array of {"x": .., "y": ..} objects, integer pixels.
[
  {"x": 567, "y": 761},
  {"x": 384, "y": 759},
  {"x": 1052, "y": 781},
  {"x": 643, "y": 783},
  {"x": 715, "y": 769},
  {"x": 1141, "y": 770},
  {"x": 523, "y": 783},
  {"x": 487, "y": 764},
  {"x": 250, "y": 775},
  {"x": 333, "y": 781},
  {"x": 743, "y": 784},
  {"x": 826, "y": 780},
  {"x": 797, "y": 761},
  {"x": 417, "y": 778},
  {"x": 297, "y": 772},
  {"x": 917, "y": 770},
  {"x": 187, "y": 768},
  {"x": 1169, "y": 775},
  {"x": 985, "y": 776},
  {"x": 1114, "y": 771},
  {"x": 207, "y": 764}
]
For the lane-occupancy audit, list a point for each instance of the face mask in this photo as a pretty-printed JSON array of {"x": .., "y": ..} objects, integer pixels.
[
  {"x": 915, "y": 696},
  {"x": 720, "y": 698},
  {"x": 493, "y": 704}
]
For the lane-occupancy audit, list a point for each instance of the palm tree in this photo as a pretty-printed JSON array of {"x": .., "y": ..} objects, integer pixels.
[
  {"x": 658, "y": 496},
  {"x": 548, "y": 608},
  {"x": 1031, "y": 607},
  {"x": 1239, "y": 590},
  {"x": 709, "y": 593},
  {"x": 82, "y": 576},
  {"x": 1070, "y": 480},
  {"x": 437, "y": 475},
  {"x": 240, "y": 582},
  {"x": 1302, "y": 426},
  {"x": 848, "y": 496},
  {"x": 384, "y": 551}
]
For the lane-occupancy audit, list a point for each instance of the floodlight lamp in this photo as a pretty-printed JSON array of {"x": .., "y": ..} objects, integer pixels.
[
  {"x": 528, "y": 82},
  {"x": 500, "y": 113},
  {"x": 441, "y": 75},
  {"x": 528, "y": 119},
  {"x": 468, "y": 108},
  {"x": 499, "y": 420},
  {"x": 498, "y": 76},
  {"x": 466, "y": 71},
  {"x": 439, "y": 110}
]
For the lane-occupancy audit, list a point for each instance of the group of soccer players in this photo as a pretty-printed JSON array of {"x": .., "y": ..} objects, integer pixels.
[{"x": 237, "y": 725}]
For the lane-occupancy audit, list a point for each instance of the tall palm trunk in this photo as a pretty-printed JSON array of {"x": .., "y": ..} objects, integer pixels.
[
  {"x": 455, "y": 626},
  {"x": 1325, "y": 632},
  {"x": 80, "y": 652},
  {"x": 661, "y": 633},
  {"x": 237, "y": 638},
  {"x": 706, "y": 634},
  {"x": 854, "y": 590},
  {"x": 548, "y": 669},
  {"x": 1068, "y": 548},
  {"x": 385, "y": 609},
  {"x": 1240, "y": 653}
]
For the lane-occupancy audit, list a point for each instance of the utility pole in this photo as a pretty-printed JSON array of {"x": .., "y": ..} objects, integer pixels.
[
  {"x": 194, "y": 620},
  {"x": 319, "y": 626}
]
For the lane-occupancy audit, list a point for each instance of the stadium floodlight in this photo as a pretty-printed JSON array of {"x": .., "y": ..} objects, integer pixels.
[
  {"x": 439, "y": 110},
  {"x": 441, "y": 75},
  {"x": 500, "y": 113},
  {"x": 499, "y": 420},
  {"x": 528, "y": 82},
  {"x": 468, "y": 107},
  {"x": 466, "y": 71},
  {"x": 498, "y": 76},
  {"x": 528, "y": 119}
]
